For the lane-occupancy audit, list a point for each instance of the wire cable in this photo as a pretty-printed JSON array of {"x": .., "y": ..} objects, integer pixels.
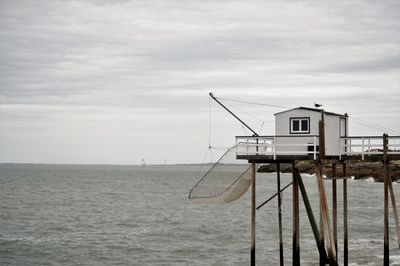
[
  {"x": 254, "y": 103},
  {"x": 262, "y": 122},
  {"x": 373, "y": 126}
]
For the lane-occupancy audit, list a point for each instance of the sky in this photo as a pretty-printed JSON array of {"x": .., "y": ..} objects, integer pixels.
[{"x": 115, "y": 82}]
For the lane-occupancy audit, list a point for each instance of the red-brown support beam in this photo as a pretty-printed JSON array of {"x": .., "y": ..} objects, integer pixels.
[
  {"x": 334, "y": 208},
  {"x": 345, "y": 224},
  {"x": 278, "y": 181},
  {"x": 386, "y": 202},
  {"x": 296, "y": 221}
]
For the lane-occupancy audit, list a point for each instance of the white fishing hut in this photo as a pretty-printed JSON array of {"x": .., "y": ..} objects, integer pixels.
[
  {"x": 305, "y": 133},
  {"x": 297, "y": 130}
]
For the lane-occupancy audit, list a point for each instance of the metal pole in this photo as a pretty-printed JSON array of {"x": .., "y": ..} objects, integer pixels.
[
  {"x": 386, "y": 203},
  {"x": 345, "y": 225},
  {"x": 253, "y": 217},
  {"x": 278, "y": 179},
  {"x": 296, "y": 220}
]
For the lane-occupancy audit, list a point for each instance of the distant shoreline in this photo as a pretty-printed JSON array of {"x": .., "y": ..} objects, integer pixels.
[
  {"x": 127, "y": 165},
  {"x": 358, "y": 170}
]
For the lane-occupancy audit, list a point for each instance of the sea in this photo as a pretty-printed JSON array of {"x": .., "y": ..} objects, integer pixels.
[{"x": 133, "y": 215}]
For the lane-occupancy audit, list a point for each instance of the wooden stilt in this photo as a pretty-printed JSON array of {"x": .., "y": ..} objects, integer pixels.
[
  {"x": 321, "y": 241},
  {"x": 325, "y": 218},
  {"x": 386, "y": 203},
  {"x": 322, "y": 262},
  {"x": 278, "y": 179},
  {"x": 345, "y": 225},
  {"x": 321, "y": 135},
  {"x": 321, "y": 128},
  {"x": 394, "y": 207},
  {"x": 296, "y": 220},
  {"x": 334, "y": 208},
  {"x": 310, "y": 215},
  {"x": 253, "y": 217}
]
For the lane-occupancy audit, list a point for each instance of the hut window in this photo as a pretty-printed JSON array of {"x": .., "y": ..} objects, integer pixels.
[{"x": 299, "y": 125}]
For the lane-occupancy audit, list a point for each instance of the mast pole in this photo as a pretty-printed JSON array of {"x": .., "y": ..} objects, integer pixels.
[{"x": 235, "y": 116}]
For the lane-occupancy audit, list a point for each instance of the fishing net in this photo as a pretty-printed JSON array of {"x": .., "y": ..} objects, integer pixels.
[{"x": 224, "y": 182}]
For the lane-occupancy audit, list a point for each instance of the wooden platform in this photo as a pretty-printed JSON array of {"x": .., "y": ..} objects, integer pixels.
[
  {"x": 267, "y": 149},
  {"x": 292, "y": 158}
]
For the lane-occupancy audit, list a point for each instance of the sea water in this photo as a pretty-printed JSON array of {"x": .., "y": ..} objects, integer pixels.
[{"x": 131, "y": 215}]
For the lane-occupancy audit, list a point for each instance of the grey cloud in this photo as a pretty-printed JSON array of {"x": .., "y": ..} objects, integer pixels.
[
  {"x": 386, "y": 63},
  {"x": 156, "y": 61}
]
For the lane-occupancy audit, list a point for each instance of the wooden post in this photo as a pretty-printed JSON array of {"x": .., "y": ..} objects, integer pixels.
[
  {"x": 394, "y": 207},
  {"x": 321, "y": 127},
  {"x": 296, "y": 220},
  {"x": 325, "y": 218},
  {"x": 310, "y": 215},
  {"x": 278, "y": 177},
  {"x": 386, "y": 203},
  {"x": 334, "y": 208},
  {"x": 253, "y": 217},
  {"x": 345, "y": 225},
  {"x": 322, "y": 262}
]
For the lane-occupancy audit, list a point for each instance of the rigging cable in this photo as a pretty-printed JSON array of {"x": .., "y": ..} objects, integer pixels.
[
  {"x": 254, "y": 103},
  {"x": 210, "y": 148},
  {"x": 262, "y": 122},
  {"x": 357, "y": 120},
  {"x": 371, "y": 125},
  {"x": 209, "y": 131}
]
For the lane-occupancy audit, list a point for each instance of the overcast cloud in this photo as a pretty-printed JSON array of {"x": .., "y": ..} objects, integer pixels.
[{"x": 118, "y": 81}]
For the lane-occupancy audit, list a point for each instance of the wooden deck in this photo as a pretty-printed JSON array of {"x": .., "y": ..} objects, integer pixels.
[
  {"x": 265, "y": 149},
  {"x": 291, "y": 158}
]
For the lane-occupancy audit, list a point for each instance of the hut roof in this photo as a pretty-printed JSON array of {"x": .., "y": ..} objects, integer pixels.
[{"x": 311, "y": 109}]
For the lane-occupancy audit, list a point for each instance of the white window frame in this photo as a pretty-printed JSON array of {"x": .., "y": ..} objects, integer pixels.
[{"x": 299, "y": 119}]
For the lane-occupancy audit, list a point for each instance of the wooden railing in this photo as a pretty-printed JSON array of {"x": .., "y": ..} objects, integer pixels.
[
  {"x": 368, "y": 145},
  {"x": 308, "y": 145},
  {"x": 269, "y": 146}
]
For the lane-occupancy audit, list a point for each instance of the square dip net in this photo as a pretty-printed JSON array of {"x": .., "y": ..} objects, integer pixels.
[{"x": 224, "y": 182}]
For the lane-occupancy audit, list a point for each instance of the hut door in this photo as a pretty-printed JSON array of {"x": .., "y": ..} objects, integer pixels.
[{"x": 343, "y": 127}]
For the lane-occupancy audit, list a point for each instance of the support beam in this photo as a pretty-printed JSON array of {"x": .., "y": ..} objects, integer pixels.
[
  {"x": 273, "y": 196},
  {"x": 296, "y": 221},
  {"x": 325, "y": 219},
  {"x": 311, "y": 217},
  {"x": 345, "y": 224},
  {"x": 386, "y": 202},
  {"x": 394, "y": 207},
  {"x": 334, "y": 208},
  {"x": 322, "y": 262},
  {"x": 321, "y": 126},
  {"x": 278, "y": 181},
  {"x": 253, "y": 217}
]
